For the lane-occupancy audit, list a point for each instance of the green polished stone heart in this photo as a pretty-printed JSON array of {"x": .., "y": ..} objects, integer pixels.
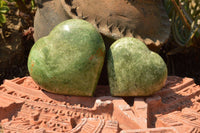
[
  {"x": 133, "y": 69},
  {"x": 69, "y": 60}
]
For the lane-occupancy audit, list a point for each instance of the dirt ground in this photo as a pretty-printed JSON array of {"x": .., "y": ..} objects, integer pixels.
[{"x": 16, "y": 40}]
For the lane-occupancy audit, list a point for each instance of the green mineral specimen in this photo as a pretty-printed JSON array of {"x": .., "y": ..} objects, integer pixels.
[
  {"x": 133, "y": 69},
  {"x": 69, "y": 60}
]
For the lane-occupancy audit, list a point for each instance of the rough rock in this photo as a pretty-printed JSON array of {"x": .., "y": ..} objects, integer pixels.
[
  {"x": 121, "y": 18},
  {"x": 146, "y": 20},
  {"x": 26, "y": 108}
]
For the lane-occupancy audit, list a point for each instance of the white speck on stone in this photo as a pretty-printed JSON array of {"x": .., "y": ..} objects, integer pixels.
[{"x": 66, "y": 27}]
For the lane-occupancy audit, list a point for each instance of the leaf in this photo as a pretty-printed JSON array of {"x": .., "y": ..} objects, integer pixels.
[
  {"x": 4, "y": 9},
  {"x": 2, "y": 18},
  {"x": 2, "y": 3}
]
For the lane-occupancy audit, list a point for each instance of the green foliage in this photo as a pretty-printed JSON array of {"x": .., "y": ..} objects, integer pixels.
[
  {"x": 185, "y": 18},
  {"x": 33, "y": 6},
  {"x": 3, "y": 9}
]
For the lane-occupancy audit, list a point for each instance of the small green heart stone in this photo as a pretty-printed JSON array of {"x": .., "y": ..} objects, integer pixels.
[
  {"x": 69, "y": 60},
  {"x": 133, "y": 69}
]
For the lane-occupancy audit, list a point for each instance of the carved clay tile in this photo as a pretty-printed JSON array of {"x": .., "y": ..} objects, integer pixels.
[{"x": 175, "y": 108}]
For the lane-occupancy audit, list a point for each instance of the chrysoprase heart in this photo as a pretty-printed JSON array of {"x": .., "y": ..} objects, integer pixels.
[
  {"x": 69, "y": 60},
  {"x": 133, "y": 69}
]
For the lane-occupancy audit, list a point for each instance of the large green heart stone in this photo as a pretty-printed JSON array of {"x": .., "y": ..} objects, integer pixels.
[
  {"x": 133, "y": 69},
  {"x": 69, "y": 60}
]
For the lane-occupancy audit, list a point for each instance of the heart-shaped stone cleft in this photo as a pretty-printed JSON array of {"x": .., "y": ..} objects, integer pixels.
[
  {"x": 69, "y": 60},
  {"x": 133, "y": 69}
]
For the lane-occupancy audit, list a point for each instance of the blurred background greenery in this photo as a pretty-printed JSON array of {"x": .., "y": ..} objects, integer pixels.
[{"x": 185, "y": 19}]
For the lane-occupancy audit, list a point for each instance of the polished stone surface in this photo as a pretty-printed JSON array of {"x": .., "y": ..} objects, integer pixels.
[
  {"x": 69, "y": 60},
  {"x": 133, "y": 69}
]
